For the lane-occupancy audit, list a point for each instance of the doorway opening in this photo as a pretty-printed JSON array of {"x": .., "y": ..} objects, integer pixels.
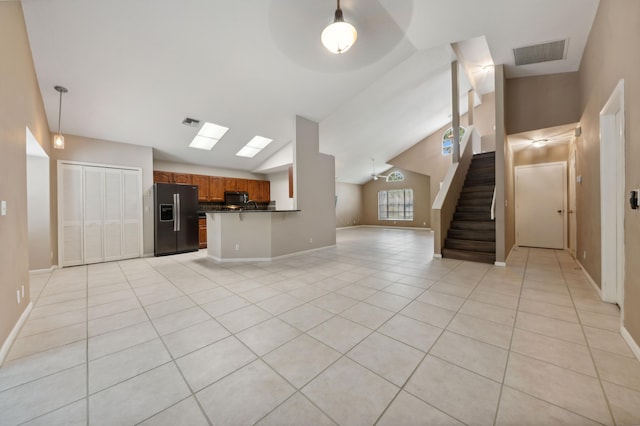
[
  {"x": 38, "y": 205},
  {"x": 612, "y": 196}
]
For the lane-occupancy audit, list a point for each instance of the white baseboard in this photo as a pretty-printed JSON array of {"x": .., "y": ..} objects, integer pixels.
[
  {"x": 42, "y": 271},
  {"x": 591, "y": 281},
  {"x": 4, "y": 351},
  {"x": 632, "y": 343},
  {"x": 437, "y": 256},
  {"x": 348, "y": 227},
  {"x": 502, "y": 264}
]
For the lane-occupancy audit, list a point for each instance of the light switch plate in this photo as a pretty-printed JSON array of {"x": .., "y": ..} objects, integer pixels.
[{"x": 3, "y": 208}]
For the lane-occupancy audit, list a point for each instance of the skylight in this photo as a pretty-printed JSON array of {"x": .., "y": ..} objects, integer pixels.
[
  {"x": 254, "y": 146},
  {"x": 208, "y": 136}
]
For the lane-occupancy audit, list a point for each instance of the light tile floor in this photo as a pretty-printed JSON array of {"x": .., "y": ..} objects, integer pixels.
[{"x": 372, "y": 331}]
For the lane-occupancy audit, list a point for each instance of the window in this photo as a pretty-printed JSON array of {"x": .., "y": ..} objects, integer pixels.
[
  {"x": 447, "y": 140},
  {"x": 395, "y": 204},
  {"x": 395, "y": 177}
]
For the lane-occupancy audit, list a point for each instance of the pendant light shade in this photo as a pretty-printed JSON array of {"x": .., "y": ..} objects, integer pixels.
[
  {"x": 58, "y": 140},
  {"x": 339, "y": 36}
]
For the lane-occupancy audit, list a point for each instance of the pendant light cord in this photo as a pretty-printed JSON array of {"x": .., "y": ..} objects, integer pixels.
[{"x": 59, "y": 112}]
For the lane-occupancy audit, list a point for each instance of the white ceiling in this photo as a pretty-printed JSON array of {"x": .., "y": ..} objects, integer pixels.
[{"x": 136, "y": 68}]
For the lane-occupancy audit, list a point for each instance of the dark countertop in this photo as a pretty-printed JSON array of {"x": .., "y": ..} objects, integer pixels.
[{"x": 202, "y": 212}]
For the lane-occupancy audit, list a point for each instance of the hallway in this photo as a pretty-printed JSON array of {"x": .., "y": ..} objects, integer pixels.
[{"x": 373, "y": 331}]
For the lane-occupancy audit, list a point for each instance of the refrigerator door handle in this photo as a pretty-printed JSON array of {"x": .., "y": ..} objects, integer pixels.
[
  {"x": 175, "y": 210},
  {"x": 178, "y": 211}
]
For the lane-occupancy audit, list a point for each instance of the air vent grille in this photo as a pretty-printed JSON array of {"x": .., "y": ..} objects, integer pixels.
[
  {"x": 192, "y": 122},
  {"x": 535, "y": 54}
]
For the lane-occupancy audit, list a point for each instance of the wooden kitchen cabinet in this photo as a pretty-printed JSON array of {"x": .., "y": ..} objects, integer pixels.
[
  {"x": 202, "y": 232},
  {"x": 236, "y": 184},
  {"x": 216, "y": 188},
  {"x": 259, "y": 190},
  {"x": 183, "y": 178},
  {"x": 162, "y": 177},
  {"x": 203, "y": 186}
]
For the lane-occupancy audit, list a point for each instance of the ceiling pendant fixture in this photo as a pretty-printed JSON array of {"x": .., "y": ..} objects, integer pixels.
[
  {"x": 58, "y": 140},
  {"x": 339, "y": 36}
]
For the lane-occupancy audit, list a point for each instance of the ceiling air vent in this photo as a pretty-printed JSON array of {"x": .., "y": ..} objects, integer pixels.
[
  {"x": 192, "y": 122},
  {"x": 545, "y": 52}
]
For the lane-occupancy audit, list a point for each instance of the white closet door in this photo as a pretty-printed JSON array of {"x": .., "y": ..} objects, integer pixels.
[
  {"x": 71, "y": 250},
  {"x": 93, "y": 214},
  {"x": 112, "y": 214},
  {"x": 132, "y": 214}
]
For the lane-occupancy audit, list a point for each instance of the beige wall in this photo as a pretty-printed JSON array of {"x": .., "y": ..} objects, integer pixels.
[
  {"x": 426, "y": 157},
  {"x": 279, "y": 188},
  {"x": 421, "y": 199},
  {"x": 610, "y": 55},
  {"x": 98, "y": 151},
  {"x": 552, "y": 100},
  {"x": 348, "y": 204},
  {"x": 546, "y": 154},
  {"x": 20, "y": 107},
  {"x": 502, "y": 228}
]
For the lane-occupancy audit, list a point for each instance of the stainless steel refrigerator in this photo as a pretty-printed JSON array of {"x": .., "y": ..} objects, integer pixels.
[{"x": 176, "y": 218}]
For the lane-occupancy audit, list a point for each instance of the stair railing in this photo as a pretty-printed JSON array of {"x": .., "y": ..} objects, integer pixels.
[
  {"x": 444, "y": 205},
  {"x": 493, "y": 205}
]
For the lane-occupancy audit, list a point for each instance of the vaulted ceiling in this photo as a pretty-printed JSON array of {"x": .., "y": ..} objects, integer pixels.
[{"x": 136, "y": 68}]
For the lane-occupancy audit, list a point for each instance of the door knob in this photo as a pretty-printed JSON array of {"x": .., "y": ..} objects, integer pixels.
[
  {"x": 570, "y": 211},
  {"x": 560, "y": 211}
]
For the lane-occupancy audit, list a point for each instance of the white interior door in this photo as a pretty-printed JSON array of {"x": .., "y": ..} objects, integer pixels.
[
  {"x": 540, "y": 205},
  {"x": 132, "y": 214},
  {"x": 93, "y": 214},
  {"x": 70, "y": 215},
  {"x": 112, "y": 214}
]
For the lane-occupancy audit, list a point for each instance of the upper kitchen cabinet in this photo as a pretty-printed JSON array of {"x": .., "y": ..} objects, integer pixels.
[
  {"x": 183, "y": 178},
  {"x": 259, "y": 190},
  {"x": 235, "y": 184},
  {"x": 203, "y": 186},
  {"x": 216, "y": 188},
  {"x": 162, "y": 177}
]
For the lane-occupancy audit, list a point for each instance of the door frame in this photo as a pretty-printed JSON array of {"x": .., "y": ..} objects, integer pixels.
[
  {"x": 564, "y": 197},
  {"x": 612, "y": 202},
  {"x": 572, "y": 205}
]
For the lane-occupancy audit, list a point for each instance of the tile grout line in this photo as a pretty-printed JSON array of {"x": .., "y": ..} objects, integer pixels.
[
  {"x": 513, "y": 329},
  {"x": 593, "y": 361}
]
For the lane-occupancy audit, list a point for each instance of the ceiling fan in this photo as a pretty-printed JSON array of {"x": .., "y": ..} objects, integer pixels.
[{"x": 375, "y": 176}]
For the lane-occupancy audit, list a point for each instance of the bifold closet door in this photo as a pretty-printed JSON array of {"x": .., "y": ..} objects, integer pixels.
[
  {"x": 94, "y": 210},
  {"x": 112, "y": 214},
  {"x": 71, "y": 211},
  {"x": 131, "y": 214}
]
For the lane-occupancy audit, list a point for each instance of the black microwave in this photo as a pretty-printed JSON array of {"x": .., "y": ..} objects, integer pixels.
[{"x": 236, "y": 197}]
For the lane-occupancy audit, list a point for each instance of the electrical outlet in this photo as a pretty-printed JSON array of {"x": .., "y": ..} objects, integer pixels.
[
  {"x": 23, "y": 291},
  {"x": 18, "y": 296},
  {"x": 237, "y": 247},
  {"x": 584, "y": 255},
  {"x": 310, "y": 240},
  {"x": 3, "y": 208}
]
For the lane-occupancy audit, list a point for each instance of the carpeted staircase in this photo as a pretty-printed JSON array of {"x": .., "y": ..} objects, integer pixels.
[{"x": 472, "y": 235}]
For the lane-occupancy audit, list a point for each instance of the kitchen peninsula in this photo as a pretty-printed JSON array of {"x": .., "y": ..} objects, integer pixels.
[{"x": 249, "y": 235}]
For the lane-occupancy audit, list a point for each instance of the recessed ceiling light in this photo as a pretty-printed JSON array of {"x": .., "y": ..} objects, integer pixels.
[
  {"x": 208, "y": 136},
  {"x": 254, "y": 146},
  {"x": 539, "y": 143}
]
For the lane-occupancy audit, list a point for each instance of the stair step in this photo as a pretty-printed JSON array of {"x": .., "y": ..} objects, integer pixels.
[
  {"x": 490, "y": 154},
  {"x": 473, "y": 209},
  {"x": 478, "y": 201},
  {"x": 484, "y": 182},
  {"x": 470, "y": 245},
  {"x": 482, "y": 168},
  {"x": 474, "y": 195},
  {"x": 467, "y": 234},
  {"x": 473, "y": 217},
  {"x": 480, "y": 225},
  {"x": 469, "y": 255},
  {"x": 478, "y": 188}
]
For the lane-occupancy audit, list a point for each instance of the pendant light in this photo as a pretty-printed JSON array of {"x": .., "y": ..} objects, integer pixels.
[
  {"x": 58, "y": 140},
  {"x": 339, "y": 36}
]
